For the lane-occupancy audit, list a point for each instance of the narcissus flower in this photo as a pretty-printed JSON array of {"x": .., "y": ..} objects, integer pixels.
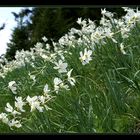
[
  {"x": 61, "y": 66},
  {"x": 14, "y": 123},
  {"x": 70, "y": 79},
  {"x": 58, "y": 83},
  {"x": 122, "y": 48},
  {"x": 11, "y": 110},
  {"x": 86, "y": 57},
  {"x": 46, "y": 90},
  {"x": 34, "y": 103},
  {"x": 44, "y": 39},
  {"x": 13, "y": 86},
  {"x": 3, "y": 117},
  {"x": 19, "y": 104},
  {"x": 106, "y": 13},
  {"x": 33, "y": 77}
]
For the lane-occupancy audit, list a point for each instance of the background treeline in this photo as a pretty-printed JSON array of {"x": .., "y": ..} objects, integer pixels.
[{"x": 53, "y": 23}]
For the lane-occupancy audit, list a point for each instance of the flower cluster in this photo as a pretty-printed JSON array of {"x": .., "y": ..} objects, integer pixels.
[{"x": 13, "y": 118}]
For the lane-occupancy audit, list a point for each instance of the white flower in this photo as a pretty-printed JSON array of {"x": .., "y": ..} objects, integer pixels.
[
  {"x": 62, "y": 85},
  {"x": 62, "y": 41},
  {"x": 52, "y": 55},
  {"x": 96, "y": 36},
  {"x": 71, "y": 79},
  {"x": 108, "y": 32},
  {"x": 131, "y": 17},
  {"x": 42, "y": 99},
  {"x": 32, "y": 64},
  {"x": 86, "y": 57},
  {"x": 32, "y": 77},
  {"x": 13, "y": 86},
  {"x": 14, "y": 123},
  {"x": 38, "y": 46},
  {"x": 106, "y": 13},
  {"x": 3, "y": 117},
  {"x": 79, "y": 41},
  {"x": 48, "y": 46},
  {"x": 46, "y": 90},
  {"x": 57, "y": 81},
  {"x": 125, "y": 32},
  {"x": 34, "y": 103},
  {"x": 44, "y": 39},
  {"x": 10, "y": 109},
  {"x": 19, "y": 104},
  {"x": 61, "y": 66},
  {"x": 103, "y": 11},
  {"x": 79, "y": 21},
  {"x": 45, "y": 57},
  {"x": 122, "y": 48}
]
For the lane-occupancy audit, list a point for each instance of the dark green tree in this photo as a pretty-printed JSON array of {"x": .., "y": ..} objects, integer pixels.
[{"x": 21, "y": 34}]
